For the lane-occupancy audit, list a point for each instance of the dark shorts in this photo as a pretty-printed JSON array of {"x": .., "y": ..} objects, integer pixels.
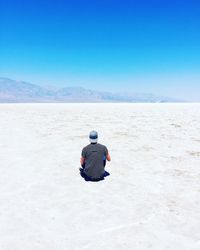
[{"x": 87, "y": 178}]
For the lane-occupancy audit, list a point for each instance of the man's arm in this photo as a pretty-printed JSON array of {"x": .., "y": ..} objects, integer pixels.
[
  {"x": 83, "y": 157},
  {"x": 108, "y": 157},
  {"x": 82, "y": 161}
]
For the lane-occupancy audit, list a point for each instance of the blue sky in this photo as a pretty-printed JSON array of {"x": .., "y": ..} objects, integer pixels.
[{"x": 141, "y": 46}]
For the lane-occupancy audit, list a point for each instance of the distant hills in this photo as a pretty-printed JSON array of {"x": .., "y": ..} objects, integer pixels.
[{"x": 12, "y": 91}]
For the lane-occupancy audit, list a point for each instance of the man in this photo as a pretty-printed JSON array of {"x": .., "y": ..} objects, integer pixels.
[{"x": 94, "y": 158}]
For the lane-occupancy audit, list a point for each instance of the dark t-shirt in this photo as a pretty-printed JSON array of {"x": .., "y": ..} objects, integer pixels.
[{"x": 94, "y": 155}]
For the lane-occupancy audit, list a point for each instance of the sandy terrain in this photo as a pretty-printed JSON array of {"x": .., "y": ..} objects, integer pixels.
[{"x": 151, "y": 200}]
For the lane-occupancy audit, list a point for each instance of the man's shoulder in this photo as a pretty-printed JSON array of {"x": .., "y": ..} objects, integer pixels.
[
  {"x": 102, "y": 146},
  {"x": 96, "y": 145},
  {"x": 86, "y": 147},
  {"x": 85, "y": 150}
]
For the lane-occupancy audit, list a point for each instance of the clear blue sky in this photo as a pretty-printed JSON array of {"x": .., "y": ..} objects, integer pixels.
[{"x": 141, "y": 46}]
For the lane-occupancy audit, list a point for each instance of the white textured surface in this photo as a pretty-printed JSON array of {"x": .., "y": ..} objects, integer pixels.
[{"x": 151, "y": 200}]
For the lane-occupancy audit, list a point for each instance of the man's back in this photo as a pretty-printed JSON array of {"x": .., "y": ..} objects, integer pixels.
[{"x": 94, "y": 155}]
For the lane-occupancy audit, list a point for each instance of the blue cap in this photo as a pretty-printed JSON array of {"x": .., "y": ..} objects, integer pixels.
[{"x": 93, "y": 136}]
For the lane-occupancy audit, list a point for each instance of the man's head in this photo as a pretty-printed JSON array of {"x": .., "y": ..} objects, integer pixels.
[{"x": 93, "y": 136}]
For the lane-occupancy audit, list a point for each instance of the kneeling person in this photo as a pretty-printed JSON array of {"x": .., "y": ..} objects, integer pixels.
[{"x": 94, "y": 158}]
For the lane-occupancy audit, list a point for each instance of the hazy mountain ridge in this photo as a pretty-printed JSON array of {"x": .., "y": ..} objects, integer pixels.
[{"x": 20, "y": 91}]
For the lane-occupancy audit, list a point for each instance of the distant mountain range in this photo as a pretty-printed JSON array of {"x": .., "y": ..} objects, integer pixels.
[{"x": 12, "y": 91}]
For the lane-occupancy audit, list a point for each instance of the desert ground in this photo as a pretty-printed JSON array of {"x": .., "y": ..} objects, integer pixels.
[{"x": 151, "y": 200}]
